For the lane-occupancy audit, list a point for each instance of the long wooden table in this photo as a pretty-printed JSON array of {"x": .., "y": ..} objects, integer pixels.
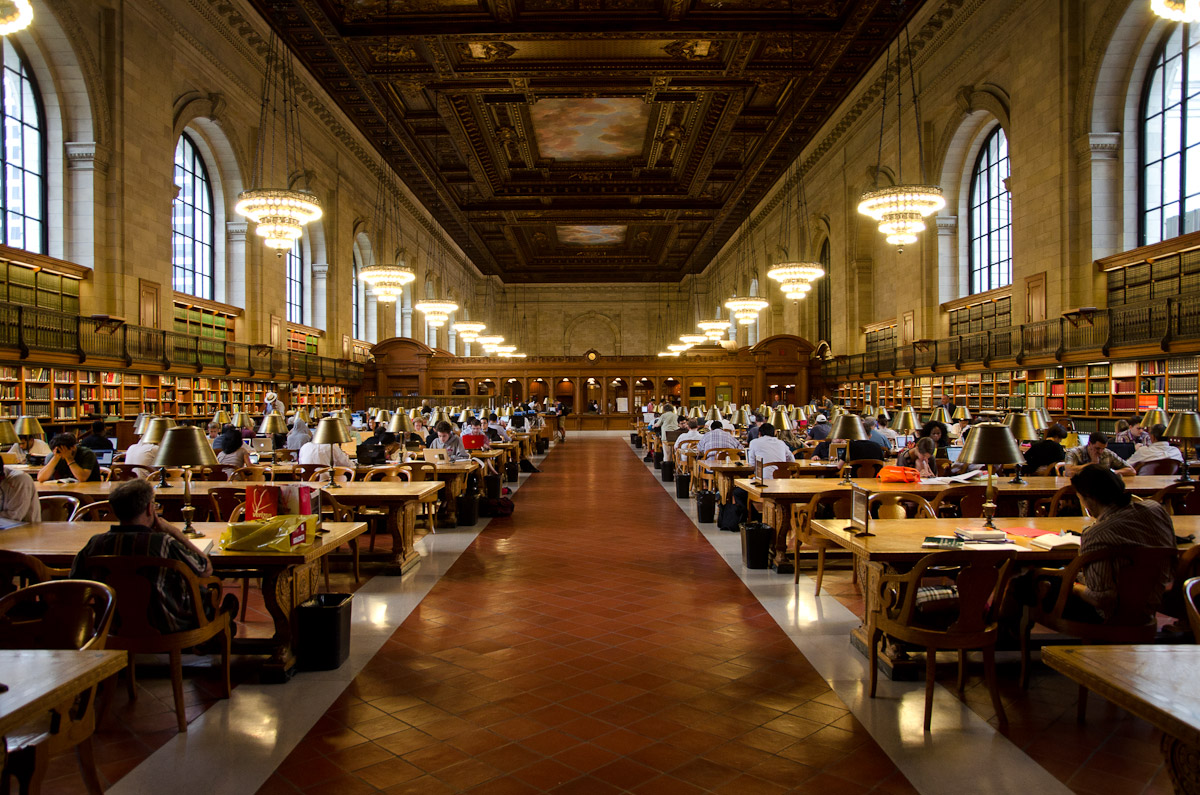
[
  {"x": 1155, "y": 683},
  {"x": 726, "y": 472},
  {"x": 42, "y": 680},
  {"x": 289, "y": 578},
  {"x": 778, "y": 496}
]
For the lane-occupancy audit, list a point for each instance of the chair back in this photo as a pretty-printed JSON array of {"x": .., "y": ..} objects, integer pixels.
[
  {"x": 99, "y": 511},
  {"x": 1140, "y": 574},
  {"x": 898, "y": 505},
  {"x": 284, "y": 456},
  {"x": 863, "y": 467},
  {"x": 338, "y": 474},
  {"x": 1162, "y": 466},
  {"x": 18, "y": 570},
  {"x": 834, "y": 503},
  {"x": 105, "y": 474},
  {"x": 1174, "y": 498},
  {"x": 133, "y": 578},
  {"x": 1066, "y": 502},
  {"x": 306, "y": 471},
  {"x": 387, "y": 474},
  {"x": 1191, "y": 598},
  {"x": 960, "y": 502},
  {"x": 980, "y": 579},
  {"x": 65, "y": 614},
  {"x": 58, "y": 507},
  {"x": 224, "y": 499},
  {"x": 122, "y": 472},
  {"x": 210, "y": 472},
  {"x": 725, "y": 454},
  {"x": 252, "y": 474},
  {"x": 419, "y": 471}
]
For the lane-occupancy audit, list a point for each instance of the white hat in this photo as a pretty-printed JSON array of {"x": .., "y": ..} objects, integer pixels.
[
  {"x": 820, "y": 418},
  {"x": 271, "y": 397}
]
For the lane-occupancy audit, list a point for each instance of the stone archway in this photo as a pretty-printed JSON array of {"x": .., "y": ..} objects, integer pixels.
[{"x": 591, "y": 330}]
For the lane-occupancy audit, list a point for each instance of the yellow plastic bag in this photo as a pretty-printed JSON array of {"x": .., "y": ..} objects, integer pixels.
[{"x": 277, "y": 534}]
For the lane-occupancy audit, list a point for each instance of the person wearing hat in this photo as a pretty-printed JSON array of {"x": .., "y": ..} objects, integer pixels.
[
  {"x": 273, "y": 404},
  {"x": 820, "y": 429}
]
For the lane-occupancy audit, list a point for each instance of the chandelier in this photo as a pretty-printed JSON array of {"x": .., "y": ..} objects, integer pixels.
[
  {"x": 490, "y": 342},
  {"x": 511, "y": 354},
  {"x": 504, "y": 350},
  {"x": 746, "y": 310},
  {"x": 795, "y": 278},
  {"x": 669, "y": 353},
  {"x": 387, "y": 281},
  {"x": 14, "y": 15},
  {"x": 468, "y": 330},
  {"x": 436, "y": 312},
  {"x": 901, "y": 209},
  {"x": 1176, "y": 10},
  {"x": 693, "y": 339},
  {"x": 714, "y": 329},
  {"x": 279, "y": 213},
  {"x": 794, "y": 291},
  {"x": 679, "y": 347}
]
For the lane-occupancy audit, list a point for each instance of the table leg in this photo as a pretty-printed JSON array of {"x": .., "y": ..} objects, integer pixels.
[
  {"x": 779, "y": 517},
  {"x": 1183, "y": 765},
  {"x": 402, "y": 520},
  {"x": 283, "y": 589},
  {"x": 448, "y": 514}
]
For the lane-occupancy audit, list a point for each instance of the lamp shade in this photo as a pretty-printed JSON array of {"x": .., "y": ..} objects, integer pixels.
[
  {"x": 156, "y": 429},
  {"x": 991, "y": 443},
  {"x": 400, "y": 423},
  {"x": 330, "y": 430},
  {"x": 962, "y": 413},
  {"x": 221, "y": 418},
  {"x": 713, "y": 414},
  {"x": 29, "y": 426},
  {"x": 139, "y": 427},
  {"x": 941, "y": 415},
  {"x": 303, "y": 416},
  {"x": 1184, "y": 425},
  {"x": 1042, "y": 412},
  {"x": 273, "y": 423},
  {"x": 383, "y": 416},
  {"x": 1022, "y": 426},
  {"x": 906, "y": 421},
  {"x": 1040, "y": 423},
  {"x": 7, "y": 434},
  {"x": 740, "y": 418},
  {"x": 243, "y": 420},
  {"x": 848, "y": 427},
  {"x": 883, "y": 412},
  {"x": 1154, "y": 417},
  {"x": 780, "y": 420},
  {"x": 185, "y": 446}
]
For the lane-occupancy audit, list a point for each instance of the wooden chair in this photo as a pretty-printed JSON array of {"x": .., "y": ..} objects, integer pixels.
[
  {"x": 70, "y": 614},
  {"x": 340, "y": 513},
  {"x": 1132, "y": 620},
  {"x": 260, "y": 473},
  {"x": 337, "y": 474},
  {"x": 960, "y": 502},
  {"x": 1191, "y": 598},
  {"x": 388, "y": 474},
  {"x": 58, "y": 507},
  {"x": 376, "y": 516},
  {"x": 1175, "y": 498},
  {"x": 133, "y": 578},
  {"x": 968, "y": 620},
  {"x": 122, "y": 472},
  {"x": 839, "y": 503},
  {"x": 899, "y": 505},
  {"x": 708, "y": 480},
  {"x": 210, "y": 472},
  {"x": 224, "y": 499},
  {"x": 99, "y": 511},
  {"x": 1187, "y": 567},
  {"x": 1065, "y": 502},
  {"x": 18, "y": 570},
  {"x": 862, "y": 467},
  {"x": 306, "y": 471},
  {"x": 418, "y": 472},
  {"x": 285, "y": 456},
  {"x": 105, "y": 474},
  {"x": 1162, "y": 466}
]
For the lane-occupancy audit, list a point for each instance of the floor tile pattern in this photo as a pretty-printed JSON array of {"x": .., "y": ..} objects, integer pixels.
[{"x": 591, "y": 643}]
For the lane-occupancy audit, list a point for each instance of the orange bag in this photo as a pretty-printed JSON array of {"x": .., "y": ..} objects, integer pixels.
[{"x": 894, "y": 474}]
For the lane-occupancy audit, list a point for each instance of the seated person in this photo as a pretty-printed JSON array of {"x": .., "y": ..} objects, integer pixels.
[
  {"x": 769, "y": 450},
  {"x": 232, "y": 452},
  {"x": 1095, "y": 452},
  {"x": 18, "y": 496},
  {"x": 959, "y": 429},
  {"x": 324, "y": 454},
  {"x": 447, "y": 440},
  {"x": 716, "y": 438},
  {"x": 876, "y": 434},
  {"x": 96, "y": 440},
  {"x": 69, "y": 461},
  {"x": 820, "y": 429},
  {"x": 937, "y": 432},
  {"x": 1159, "y": 449},
  {"x": 474, "y": 427},
  {"x": 142, "y": 454},
  {"x": 692, "y": 432},
  {"x": 298, "y": 435},
  {"x": 490, "y": 426},
  {"x": 921, "y": 457},
  {"x": 1134, "y": 434},
  {"x": 1046, "y": 452},
  {"x": 30, "y": 445},
  {"x": 142, "y": 532},
  {"x": 887, "y": 432},
  {"x": 214, "y": 434},
  {"x": 392, "y": 449}
]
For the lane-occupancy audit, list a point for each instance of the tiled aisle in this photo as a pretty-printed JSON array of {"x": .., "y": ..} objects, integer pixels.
[{"x": 593, "y": 643}]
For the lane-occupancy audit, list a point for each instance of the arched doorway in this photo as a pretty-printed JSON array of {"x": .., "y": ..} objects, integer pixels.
[
  {"x": 512, "y": 391},
  {"x": 643, "y": 391},
  {"x": 781, "y": 393},
  {"x": 593, "y": 392},
  {"x": 564, "y": 392},
  {"x": 618, "y": 397},
  {"x": 672, "y": 389},
  {"x": 460, "y": 387},
  {"x": 538, "y": 391},
  {"x": 486, "y": 387}
]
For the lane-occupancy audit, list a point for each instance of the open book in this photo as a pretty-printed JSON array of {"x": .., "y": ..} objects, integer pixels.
[{"x": 1064, "y": 541}]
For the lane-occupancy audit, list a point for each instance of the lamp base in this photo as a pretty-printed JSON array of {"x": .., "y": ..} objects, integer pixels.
[
  {"x": 188, "y": 512},
  {"x": 1017, "y": 481},
  {"x": 162, "y": 477}
]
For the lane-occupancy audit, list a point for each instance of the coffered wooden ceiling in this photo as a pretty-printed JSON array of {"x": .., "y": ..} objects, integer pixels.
[{"x": 589, "y": 140}]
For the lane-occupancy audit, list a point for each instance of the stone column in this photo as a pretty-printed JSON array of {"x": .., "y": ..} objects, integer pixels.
[
  {"x": 235, "y": 289},
  {"x": 318, "y": 296},
  {"x": 1100, "y": 225},
  {"x": 950, "y": 277},
  {"x": 372, "y": 317}
]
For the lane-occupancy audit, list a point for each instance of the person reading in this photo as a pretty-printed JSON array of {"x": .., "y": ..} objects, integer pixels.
[
  {"x": 1095, "y": 452},
  {"x": 69, "y": 461}
]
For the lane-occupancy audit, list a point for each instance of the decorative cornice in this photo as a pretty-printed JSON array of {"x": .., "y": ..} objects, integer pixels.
[
  {"x": 86, "y": 156},
  {"x": 237, "y": 230},
  {"x": 946, "y": 224},
  {"x": 1098, "y": 146}
]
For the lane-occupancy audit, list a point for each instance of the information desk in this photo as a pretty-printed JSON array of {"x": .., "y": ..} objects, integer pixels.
[
  {"x": 1155, "y": 683},
  {"x": 289, "y": 578}
]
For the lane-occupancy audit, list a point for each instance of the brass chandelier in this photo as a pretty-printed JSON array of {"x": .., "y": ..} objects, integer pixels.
[
  {"x": 1177, "y": 10},
  {"x": 15, "y": 15}
]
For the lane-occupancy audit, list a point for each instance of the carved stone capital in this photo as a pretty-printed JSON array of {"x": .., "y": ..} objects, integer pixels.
[
  {"x": 1098, "y": 146},
  {"x": 946, "y": 224},
  {"x": 320, "y": 270},
  {"x": 86, "y": 156},
  {"x": 237, "y": 230}
]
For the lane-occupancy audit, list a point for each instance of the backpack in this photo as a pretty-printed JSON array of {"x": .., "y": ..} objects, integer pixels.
[{"x": 498, "y": 506}]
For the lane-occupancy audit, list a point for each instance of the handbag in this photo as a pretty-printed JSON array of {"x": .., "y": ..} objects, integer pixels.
[{"x": 895, "y": 474}]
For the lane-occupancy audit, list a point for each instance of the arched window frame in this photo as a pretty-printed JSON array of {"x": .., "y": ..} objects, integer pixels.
[
  {"x": 989, "y": 219},
  {"x": 294, "y": 268},
  {"x": 31, "y": 103},
  {"x": 824, "y": 311},
  {"x": 355, "y": 306},
  {"x": 198, "y": 278}
]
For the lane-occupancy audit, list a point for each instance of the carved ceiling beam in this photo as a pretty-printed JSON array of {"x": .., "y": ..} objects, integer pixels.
[{"x": 570, "y": 27}]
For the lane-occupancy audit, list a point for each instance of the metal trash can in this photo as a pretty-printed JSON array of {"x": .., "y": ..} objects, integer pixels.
[
  {"x": 633, "y": 438},
  {"x": 467, "y": 508},
  {"x": 658, "y": 459},
  {"x": 706, "y": 505},
  {"x": 491, "y": 487},
  {"x": 756, "y": 544},
  {"x": 668, "y": 471},
  {"x": 323, "y": 632},
  {"x": 683, "y": 485}
]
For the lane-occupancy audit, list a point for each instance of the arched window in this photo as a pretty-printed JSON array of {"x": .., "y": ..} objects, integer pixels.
[
  {"x": 192, "y": 223},
  {"x": 1170, "y": 163},
  {"x": 355, "y": 331},
  {"x": 990, "y": 219},
  {"x": 823, "y": 303},
  {"x": 23, "y": 158},
  {"x": 295, "y": 283}
]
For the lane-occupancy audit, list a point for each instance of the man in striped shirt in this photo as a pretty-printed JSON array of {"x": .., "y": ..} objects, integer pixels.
[{"x": 716, "y": 438}]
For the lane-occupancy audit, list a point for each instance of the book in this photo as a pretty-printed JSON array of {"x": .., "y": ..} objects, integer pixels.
[
  {"x": 980, "y": 534},
  {"x": 1064, "y": 541},
  {"x": 941, "y": 542}
]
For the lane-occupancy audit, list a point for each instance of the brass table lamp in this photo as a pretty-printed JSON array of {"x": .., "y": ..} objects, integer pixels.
[
  {"x": 1154, "y": 417},
  {"x": 7, "y": 434},
  {"x": 849, "y": 428},
  {"x": 713, "y": 414},
  {"x": 272, "y": 424},
  {"x": 302, "y": 415},
  {"x": 242, "y": 420},
  {"x": 1184, "y": 425},
  {"x": 156, "y": 428},
  {"x": 962, "y": 413},
  {"x": 185, "y": 446},
  {"x": 906, "y": 421},
  {"x": 401, "y": 424},
  {"x": 1023, "y": 430},
  {"x": 882, "y": 412},
  {"x": 139, "y": 426},
  {"x": 221, "y": 418},
  {"x": 940, "y": 414},
  {"x": 331, "y": 431},
  {"x": 991, "y": 444},
  {"x": 1040, "y": 423},
  {"x": 29, "y": 426},
  {"x": 781, "y": 420}
]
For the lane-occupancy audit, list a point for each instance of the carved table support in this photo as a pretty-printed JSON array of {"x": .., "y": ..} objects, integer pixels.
[{"x": 1183, "y": 764}]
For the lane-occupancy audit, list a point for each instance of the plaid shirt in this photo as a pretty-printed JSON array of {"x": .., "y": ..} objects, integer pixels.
[
  {"x": 173, "y": 610},
  {"x": 717, "y": 439},
  {"x": 1143, "y": 524},
  {"x": 1078, "y": 456}
]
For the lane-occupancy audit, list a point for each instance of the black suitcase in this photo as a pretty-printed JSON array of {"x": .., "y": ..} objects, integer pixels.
[
  {"x": 491, "y": 487},
  {"x": 706, "y": 505},
  {"x": 467, "y": 506},
  {"x": 668, "y": 471},
  {"x": 658, "y": 459},
  {"x": 683, "y": 485},
  {"x": 756, "y": 544},
  {"x": 512, "y": 471}
]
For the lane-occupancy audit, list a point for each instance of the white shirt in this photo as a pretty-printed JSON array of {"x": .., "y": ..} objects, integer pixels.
[
  {"x": 683, "y": 437},
  {"x": 141, "y": 453},
  {"x": 312, "y": 453},
  {"x": 19, "y": 497},
  {"x": 769, "y": 450},
  {"x": 889, "y": 433},
  {"x": 1155, "y": 451},
  {"x": 39, "y": 447}
]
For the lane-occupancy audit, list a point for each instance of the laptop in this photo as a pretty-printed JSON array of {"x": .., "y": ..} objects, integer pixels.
[
  {"x": 435, "y": 455},
  {"x": 953, "y": 453},
  {"x": 1084, "y": 438},
  {"x": 371, "y": 454},
  {"x": 263, "y": 444},
  {"x": 104, "y": 457},
  {"x": 1122, "y": 449},
  {"x": 474, "y": 441}
]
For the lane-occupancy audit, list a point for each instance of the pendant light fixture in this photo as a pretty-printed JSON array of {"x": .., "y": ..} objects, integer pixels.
[
  {"x": 469, "y": 330},
  {"x": 795, "y": 277},
  {"x": 693, "y": 339},
  {"x": 1177, "y": 10},
  {"x": 278, "y": 211},
  {"x": 436, "y": 312},
  {"x": 386, "y": 278},
  {"x": 745, "y": 310},
  {"x": 901, "y": 209},
  {"x": 490, "y": 342},
  {"x": 714, "y": 329},
  {"x": 15, "y": 15}
]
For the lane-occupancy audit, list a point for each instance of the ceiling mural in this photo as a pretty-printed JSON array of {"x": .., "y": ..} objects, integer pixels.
[
  {"x": 589, "y": 129},
  {"x": 583, "y": 235},
  {"x": 590, "y": 140}
]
